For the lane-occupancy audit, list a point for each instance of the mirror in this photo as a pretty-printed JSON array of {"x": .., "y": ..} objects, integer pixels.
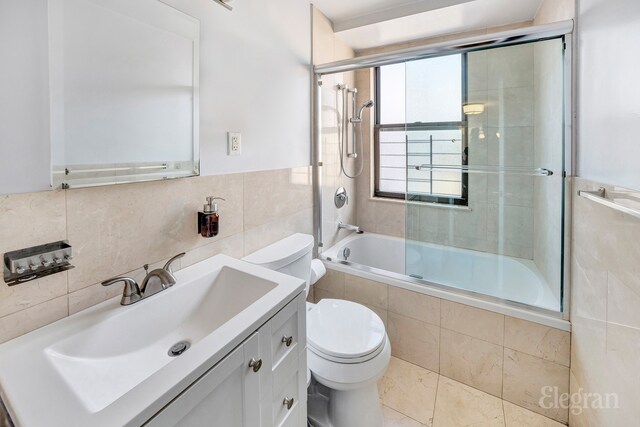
[{"x": 124, "y": 92}]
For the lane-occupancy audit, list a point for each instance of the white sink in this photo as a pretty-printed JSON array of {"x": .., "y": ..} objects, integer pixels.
[{"x": 109, "y": 365}]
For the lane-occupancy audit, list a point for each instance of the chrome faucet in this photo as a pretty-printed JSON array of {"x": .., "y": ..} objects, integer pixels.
[
  {"x": 155, "y": 281},
  {"x": 349, "y": 227}
]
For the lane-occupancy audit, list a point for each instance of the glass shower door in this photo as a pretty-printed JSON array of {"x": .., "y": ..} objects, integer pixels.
[{"x": 484, "y": 181}]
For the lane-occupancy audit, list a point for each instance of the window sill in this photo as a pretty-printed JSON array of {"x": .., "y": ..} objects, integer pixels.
[{"x": 424, "y": 204}]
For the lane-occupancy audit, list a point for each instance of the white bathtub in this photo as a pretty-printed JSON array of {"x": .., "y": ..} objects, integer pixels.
[{"x": 511, "y": 284}]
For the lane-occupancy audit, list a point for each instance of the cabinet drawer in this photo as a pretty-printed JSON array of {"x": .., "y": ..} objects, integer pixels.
[
  {"x": 292, "y": 419},
  {"x": 281, "y": 411},
  {"x": 285, "y": 336}
]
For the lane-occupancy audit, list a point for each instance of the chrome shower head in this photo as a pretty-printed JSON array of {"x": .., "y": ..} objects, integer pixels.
[{"x": 367, "y": 104}]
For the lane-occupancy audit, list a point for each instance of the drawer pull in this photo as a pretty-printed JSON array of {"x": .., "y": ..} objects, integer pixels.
[
  {"x": 288, "y": 403},
  {"x": 255, "y": 364},
  {"x": 287, "y": 340}
]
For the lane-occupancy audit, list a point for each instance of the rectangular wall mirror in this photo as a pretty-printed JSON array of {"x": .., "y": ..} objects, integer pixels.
[{"x": 124, "y": 92}]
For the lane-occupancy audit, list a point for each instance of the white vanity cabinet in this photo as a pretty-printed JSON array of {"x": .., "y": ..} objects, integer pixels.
[{"x": 261, "y": 383}]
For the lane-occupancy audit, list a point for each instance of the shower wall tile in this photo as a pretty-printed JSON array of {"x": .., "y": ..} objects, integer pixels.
[
  {"x": 115, "y": 230},
  {"x": 510, "y": 67},
  {"x": 511, "y": 146},
  {"x": 511, "y": 224},
  {"x": 514, "y": 191},
  {"x": 478, "y": 69},
  {"x": 511, "y": 107}
]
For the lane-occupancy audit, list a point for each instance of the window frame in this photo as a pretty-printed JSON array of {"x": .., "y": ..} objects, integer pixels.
[{"x": 463, "y": 200}]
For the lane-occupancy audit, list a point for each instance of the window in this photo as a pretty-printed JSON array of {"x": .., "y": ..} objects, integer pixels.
[{"x": 420, "y": 132}]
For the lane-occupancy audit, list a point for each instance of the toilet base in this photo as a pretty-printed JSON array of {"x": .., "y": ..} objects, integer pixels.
[{"x": 344, "y": 408}]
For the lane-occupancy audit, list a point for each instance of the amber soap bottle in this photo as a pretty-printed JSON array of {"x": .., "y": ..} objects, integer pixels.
[{"x": 209, "y": 219}]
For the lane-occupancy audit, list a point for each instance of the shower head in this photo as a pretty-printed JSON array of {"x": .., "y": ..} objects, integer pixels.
[{"x": 367, "y": 104}]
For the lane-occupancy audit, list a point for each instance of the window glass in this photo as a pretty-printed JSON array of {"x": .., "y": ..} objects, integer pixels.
[{"x": 420, "y": 130}]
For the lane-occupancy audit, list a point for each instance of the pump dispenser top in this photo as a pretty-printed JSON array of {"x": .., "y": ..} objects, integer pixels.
[
  {"x": 211, "y": 206},
  {"x": 209, "y": 219}
]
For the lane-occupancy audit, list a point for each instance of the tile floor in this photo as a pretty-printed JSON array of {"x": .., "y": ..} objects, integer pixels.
[{"x": 416, "y": 397}]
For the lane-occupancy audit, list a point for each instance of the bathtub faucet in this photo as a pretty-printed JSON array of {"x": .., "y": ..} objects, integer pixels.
[{"x": 342, "y": 226}]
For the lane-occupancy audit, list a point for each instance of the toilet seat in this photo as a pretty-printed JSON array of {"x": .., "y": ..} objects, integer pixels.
[{"x": 344, "y": 332}]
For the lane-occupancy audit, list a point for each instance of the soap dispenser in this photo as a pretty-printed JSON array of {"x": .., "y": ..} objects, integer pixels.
[{"x": 208, "y": 219}]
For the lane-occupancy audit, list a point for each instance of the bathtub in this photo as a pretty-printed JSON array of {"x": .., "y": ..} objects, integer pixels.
[{"x": 511, "y": 286}]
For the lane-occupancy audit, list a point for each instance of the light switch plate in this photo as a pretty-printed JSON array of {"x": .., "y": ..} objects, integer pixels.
[{"x": 234, "y": 143}]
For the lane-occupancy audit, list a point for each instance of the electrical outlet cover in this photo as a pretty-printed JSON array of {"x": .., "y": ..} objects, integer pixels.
[{"x": 234, "y": 143}]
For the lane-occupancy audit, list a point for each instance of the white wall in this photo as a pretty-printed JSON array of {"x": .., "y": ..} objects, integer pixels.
[
  {"x": 24, "y": 97},
  {"x": 608, "y": 148},
  {"x": 254, "y": 79}
]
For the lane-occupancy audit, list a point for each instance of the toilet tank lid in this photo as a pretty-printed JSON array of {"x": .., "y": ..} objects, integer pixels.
[{"x": 282, "y": 252}]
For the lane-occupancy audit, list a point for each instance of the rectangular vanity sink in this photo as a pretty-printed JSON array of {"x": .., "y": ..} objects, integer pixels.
[{"x": 110, "y": 364}]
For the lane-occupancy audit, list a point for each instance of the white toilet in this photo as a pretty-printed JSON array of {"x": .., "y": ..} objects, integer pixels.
[{"x": 348, "y": 348}]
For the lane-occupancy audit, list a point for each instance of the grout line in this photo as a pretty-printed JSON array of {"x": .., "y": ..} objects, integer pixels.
[
  {"x": 417, "y": 366},
  {"x": 504, "y": 415},
  {"x": 435, "y": 401}
]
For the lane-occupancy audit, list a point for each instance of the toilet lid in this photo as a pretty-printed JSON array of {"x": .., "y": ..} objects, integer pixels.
[{"x": 344, "y": 329}]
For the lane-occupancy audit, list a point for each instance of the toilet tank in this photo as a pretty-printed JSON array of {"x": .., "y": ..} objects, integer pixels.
[{"x": 291, "y": 255}]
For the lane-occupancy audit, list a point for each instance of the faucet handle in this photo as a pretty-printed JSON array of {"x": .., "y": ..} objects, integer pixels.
[
  {"x": 131, "y": 291},
  {"x": 167, "y": 266}
]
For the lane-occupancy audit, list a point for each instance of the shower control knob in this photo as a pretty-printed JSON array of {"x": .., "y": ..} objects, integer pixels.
[
  {"x": 20, "y": 270},
  {"x": 46, "y": 262},
  {"x": 57, "y": 260},
  {"x": 34, "y": 267}
]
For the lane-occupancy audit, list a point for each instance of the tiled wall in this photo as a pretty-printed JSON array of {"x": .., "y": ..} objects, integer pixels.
[
  {"x": 115, "y": 230},
  {"x": 605, "y": 310},
  {"x": 501, "y": 355},
  {"x": 327, "y": 47}
]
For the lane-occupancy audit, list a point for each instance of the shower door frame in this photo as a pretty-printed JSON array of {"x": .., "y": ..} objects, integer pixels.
[{"x": 558, "y": 30}]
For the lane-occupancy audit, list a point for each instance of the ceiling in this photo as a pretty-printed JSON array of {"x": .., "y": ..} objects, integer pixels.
[{"x": 369, "y": 23}]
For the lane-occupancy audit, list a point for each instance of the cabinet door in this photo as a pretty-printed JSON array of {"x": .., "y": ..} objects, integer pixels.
[{"x": 226, "y": 396}]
